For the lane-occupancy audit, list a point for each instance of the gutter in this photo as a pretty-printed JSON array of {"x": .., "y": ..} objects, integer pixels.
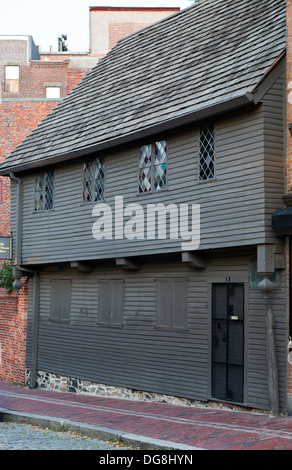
[
  {"x": 18, "y": 273},
  {"x": 166, "y": 126}
]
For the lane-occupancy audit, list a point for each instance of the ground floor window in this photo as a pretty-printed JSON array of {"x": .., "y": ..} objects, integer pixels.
[{"x": 172, "y": 304}]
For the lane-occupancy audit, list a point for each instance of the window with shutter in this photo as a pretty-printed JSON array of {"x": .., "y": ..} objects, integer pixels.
[
  {"x": 111, "y": 303},
  {"x": 60, "y": 300},
  {"x": 172, "y": 304}
]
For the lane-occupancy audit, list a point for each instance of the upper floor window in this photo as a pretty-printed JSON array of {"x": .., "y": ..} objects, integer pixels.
[
  {"x": 93, "y": 180},
  {"x": 53, "y": 92},
  {"x": 152, "y": 166},
  {"x": 207, "y": 153},
  {"x": 12, "y": 78},
  {"x": 44, "y": 187}
]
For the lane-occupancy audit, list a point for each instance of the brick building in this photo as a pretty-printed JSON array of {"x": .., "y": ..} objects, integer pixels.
[
  {"x": 109, "y": 24},
  {"x": 32, "y": 83}
]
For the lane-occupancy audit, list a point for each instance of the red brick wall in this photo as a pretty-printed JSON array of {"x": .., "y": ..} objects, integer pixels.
[
  {"x": 5, "y": 207},
  {"x": 118, "y": 31},
  {"x": 34, "y": 76},
  {"x": 74, "y": 76},
  {"x": 18, "y": 119},
  {"x": 13, "y": 327}
]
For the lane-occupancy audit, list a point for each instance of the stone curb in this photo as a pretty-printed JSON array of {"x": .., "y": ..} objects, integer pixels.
[{"x": 58, "y": 424}]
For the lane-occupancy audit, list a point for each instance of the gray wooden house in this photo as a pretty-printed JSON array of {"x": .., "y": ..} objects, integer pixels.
[{"x": 187, "y": 113}]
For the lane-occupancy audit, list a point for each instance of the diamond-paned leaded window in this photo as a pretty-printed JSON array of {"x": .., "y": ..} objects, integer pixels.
[
  {"x": 44, "y": 191},
  {"x": 152, "y": 167},
  {"x": 93, "y": 180},
  {"x": 207, "y": 153}
]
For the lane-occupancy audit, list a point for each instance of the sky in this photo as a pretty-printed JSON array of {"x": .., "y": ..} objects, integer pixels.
[{"x": 46, "y": 20}]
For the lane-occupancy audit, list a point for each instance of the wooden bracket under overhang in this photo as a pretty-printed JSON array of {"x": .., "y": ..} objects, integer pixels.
[
  {"x": 128, "y": 264},
  {"x": 82, "y": 267},
  {"x": 194, "y": 261}
]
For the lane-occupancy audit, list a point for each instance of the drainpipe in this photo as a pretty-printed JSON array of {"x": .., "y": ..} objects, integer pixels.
[
  {"x": 17, "y": 284},
  {"x": 17, "y": 259}
]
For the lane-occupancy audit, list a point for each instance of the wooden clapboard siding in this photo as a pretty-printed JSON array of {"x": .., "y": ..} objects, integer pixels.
[
  {"x": 140, "y": 356},
  {"x": 236, "y": 205},
  {"x": 274, "y": 129}
]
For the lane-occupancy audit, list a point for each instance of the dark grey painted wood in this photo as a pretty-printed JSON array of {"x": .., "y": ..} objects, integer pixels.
[
  {"x": 236, "y": 209},
  {"x": 141, "y": 356},
  {"x": 236, "y": 205}
]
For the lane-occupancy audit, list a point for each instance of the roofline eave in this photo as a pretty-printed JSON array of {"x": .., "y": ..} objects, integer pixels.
[{"x": 165, "y": 126}]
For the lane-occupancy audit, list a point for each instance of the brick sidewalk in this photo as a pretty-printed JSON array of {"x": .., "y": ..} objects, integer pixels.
[{"x": 204, "y": 428}]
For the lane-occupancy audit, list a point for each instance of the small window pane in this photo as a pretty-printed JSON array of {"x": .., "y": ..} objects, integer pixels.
[
  {"x": 145, "y": 180},
  {"x": 12, "y": 78},
  {"x": 12, "y": 72},
  {"x": 53, "y": 92},
  {"x": 152, "y": 167},
  {"x": 93, "y": 180},
  {"x": 160, "y": 152},
  {"x": 206, "y": 162},
  {"x": 44, "y": 191},
  {"x": 145, "y": 156},
  {"x": 160, "y": 176}
]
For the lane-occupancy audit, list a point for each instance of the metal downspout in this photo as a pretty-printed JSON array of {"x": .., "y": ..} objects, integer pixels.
[
  {"x": 18, "y": 273},
  {"x": 18, "y": 254}
]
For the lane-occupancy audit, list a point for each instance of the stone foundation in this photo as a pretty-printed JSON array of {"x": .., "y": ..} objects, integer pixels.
[{"x": 59, "y": 383}]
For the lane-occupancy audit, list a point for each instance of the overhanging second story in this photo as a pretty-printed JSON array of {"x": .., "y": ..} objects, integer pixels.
[{"x": 166, "y": 146}]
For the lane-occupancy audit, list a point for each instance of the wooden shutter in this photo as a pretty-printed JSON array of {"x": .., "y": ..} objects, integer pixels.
[
  {"x": 111, "y": 303},
  {"x": 164, "y": 307},
  {"x": 60, "y": 300},
  {"x": 180, "y": 305},
  {"x": 172, "y": 304}
]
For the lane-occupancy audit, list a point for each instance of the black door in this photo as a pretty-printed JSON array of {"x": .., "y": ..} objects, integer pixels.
[{"x": 227, "y": 342}]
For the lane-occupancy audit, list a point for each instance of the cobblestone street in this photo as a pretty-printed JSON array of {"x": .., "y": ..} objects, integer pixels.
[{"x": 14, "y": 436}]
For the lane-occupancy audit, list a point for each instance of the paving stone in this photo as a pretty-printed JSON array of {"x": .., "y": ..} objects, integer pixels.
[{"x": 14, "y": 436}]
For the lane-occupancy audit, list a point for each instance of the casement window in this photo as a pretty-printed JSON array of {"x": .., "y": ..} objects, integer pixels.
[
  {"x": 152, "y": 167},
  {"x": 94, "y": 180},
  {"x": 11, "y": 78},
  {"x": 53, "y": 92},
  {"x": 172, "y": 304},
  {"x": 44, "y": 191},
  {"x": 111, "y": 303},
  {"x": 60, "y": 300},
  {"x": 207, "y": 153}
]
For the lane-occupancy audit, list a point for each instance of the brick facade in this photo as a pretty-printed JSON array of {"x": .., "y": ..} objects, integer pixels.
[
  {"x": 110, "y": 24},
  {"x": 13, "y": 320}
]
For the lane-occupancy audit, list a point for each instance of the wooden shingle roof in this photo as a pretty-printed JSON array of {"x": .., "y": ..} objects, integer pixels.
[{"x": 208, "y": 57}]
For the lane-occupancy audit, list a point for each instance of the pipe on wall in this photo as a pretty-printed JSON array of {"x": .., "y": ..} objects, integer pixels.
[{"x": 36, "y": 290}]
